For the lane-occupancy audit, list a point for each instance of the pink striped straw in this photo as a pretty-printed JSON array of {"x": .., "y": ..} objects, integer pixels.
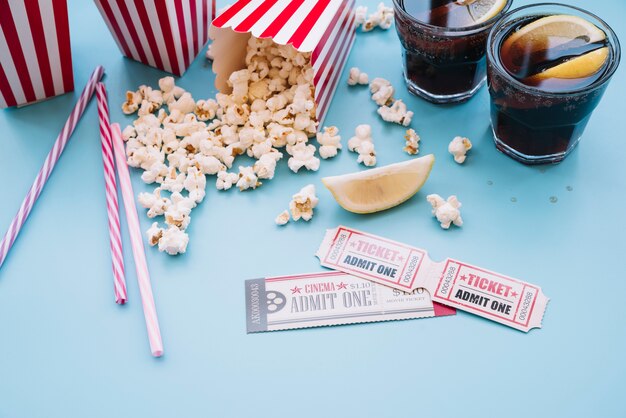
[
  {"x": 136, "y": 240},
  {"x": 110, "y": 186},
  {"x": 48, "y": 165}
]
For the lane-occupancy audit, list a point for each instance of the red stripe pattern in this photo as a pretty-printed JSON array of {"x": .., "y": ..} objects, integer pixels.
[
  {"x": 48, "y": 166},
  {"x": 166, "y": 34},
  {"x": 323, "y": 27},
  {"x": 35, "y": 53},
  {"x": 110, "y": 187}
]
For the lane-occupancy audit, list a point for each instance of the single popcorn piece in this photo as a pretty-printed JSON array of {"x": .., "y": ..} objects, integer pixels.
[
  {"x": 329, "y": 141},
  {"x": 170, "y": 90},
  {"x": 367, "y": 154},
  {"x": 131, "y": 105},
  {"x": 382, "y": 91},
  {"x": 266, "y": 165},
  {"x": 195, "y": 184},
  {"x": 283, "y": 218},
  {"x": 412, "y": 142},
  {"x": 360, "y": 15},
  {"x": 446, "y": 211},
  {"x": 156, "y": 173},
  {"x": 184, "y": 104},
  {"x": 225, "y": 180},
  {"x": 174, "y": 182},
  {"x": 458, "y": 147},
  {"x": 355, "y": 76},
  {"x": 363, "y": 144},
  {"x": 206, "y": 109},
  {"x": 386, "y": 19},
  {"x": 154, "y": 234},
  {"x": 247, "y": 179},
  {"x": 209, "y": 164},
  {"x": 303, "y": 155},
  {"x": 173, "y": 241},
  {"x": 397, "y": 113},
  {"x": 179, "y": 210},
  {"x": 382, "y": 17},
  {"x": 303, "y": 203},
  {"x": 361, "y": 133},
  {"x": 155, "y": 204}
]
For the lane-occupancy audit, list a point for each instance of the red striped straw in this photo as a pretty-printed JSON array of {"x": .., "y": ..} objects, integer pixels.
[
  {"x": 48, "y": 165},
  {"x": 136, "y": 240},
  {"x": 110, "y": 186}
]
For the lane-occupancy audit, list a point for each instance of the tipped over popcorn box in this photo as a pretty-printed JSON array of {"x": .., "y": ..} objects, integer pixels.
[
  {"x": 322, "y": 32},
  {"x": 165, "y": 34},
  {"x": 35, "y": 54}
]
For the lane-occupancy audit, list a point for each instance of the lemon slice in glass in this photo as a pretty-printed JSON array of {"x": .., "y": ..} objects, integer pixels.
[
  {"x": 380, "y": 188},
  {"x": 483, "y": 10},
  {"x": 553, "y": 32},
  {"x": 579, "y": 67}
]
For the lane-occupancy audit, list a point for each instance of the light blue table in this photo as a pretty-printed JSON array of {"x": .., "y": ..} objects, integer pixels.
[{"x": 66, "y": 349}]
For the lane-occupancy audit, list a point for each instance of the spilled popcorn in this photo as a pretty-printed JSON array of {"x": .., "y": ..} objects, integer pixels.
[
  {"x": 411, "y": 145},
  {"x": 382, "y": 18},
  {"x": 177, "y": 140},
  {"x": 329, "y": 142},
  {"x": 283, "y": 218},
  {"x": 390, "y": 110},
  {"x": 458, "y": 147},
  {"x": 355, "y": 76},
  {"x": 446, "y": 211},
  {"x": 363, "y": 144},
  {"x": 303, "y": 203}
]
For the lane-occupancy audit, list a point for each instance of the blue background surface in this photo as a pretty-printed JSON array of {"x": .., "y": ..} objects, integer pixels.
[{"x": 66, "y": 349}]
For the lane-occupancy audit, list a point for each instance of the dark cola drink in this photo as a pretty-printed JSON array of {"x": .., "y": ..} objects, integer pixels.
[
  {"x": 547, "y": 73},
  {"x": 444, "y": 44}
]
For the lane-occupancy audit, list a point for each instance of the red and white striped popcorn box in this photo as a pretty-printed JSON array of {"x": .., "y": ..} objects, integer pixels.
[
  {"x": 325, "y": 28},
  {"x": 165, "y": 34},
  {"x": 35, "y": 53}
]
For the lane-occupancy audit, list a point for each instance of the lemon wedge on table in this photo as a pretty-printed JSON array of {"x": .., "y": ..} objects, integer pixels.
[
  {"x": 483, "y": 10},
  {"x": 380, "y": 188},
  {"x": 554, "y": 31}
]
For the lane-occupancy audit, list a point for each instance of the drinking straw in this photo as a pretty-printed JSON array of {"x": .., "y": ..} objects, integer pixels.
[
  {"x": 110, "y": 187},
  {"x": 48, "y": 165},
  {"x": 143, "y": 276}
]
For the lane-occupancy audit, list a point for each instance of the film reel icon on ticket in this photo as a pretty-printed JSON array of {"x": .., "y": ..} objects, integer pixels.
[{"x": 454, "y": 283}]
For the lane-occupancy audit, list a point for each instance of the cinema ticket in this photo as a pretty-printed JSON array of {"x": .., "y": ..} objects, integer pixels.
[
  {"x": 453, "y": 283},
  {"x": 330, "y": 298}
]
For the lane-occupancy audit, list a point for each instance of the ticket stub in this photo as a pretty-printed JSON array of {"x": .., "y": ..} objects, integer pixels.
[
  {"x": 330, "y": 298},
  {"x": 453, "y": 283}
]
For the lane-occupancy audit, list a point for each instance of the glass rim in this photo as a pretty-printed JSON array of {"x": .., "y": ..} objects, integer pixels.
[
  {"x": 457, "y": 30},
  {"x": 611, "y": 36}
]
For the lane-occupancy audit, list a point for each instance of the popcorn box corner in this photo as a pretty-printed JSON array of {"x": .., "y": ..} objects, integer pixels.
[
  {"x": 325, "y": 28},
  {"x": 35, "y": 52},
  {"x": 165, "y": 34}
]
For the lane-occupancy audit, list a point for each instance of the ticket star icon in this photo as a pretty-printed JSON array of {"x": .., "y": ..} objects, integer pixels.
[
  {"x": 295, "y": 290},
  {"x": 400, "y": 258},
  {"x": 463, "y": 277},
  {"x": 514, "y": 294},
  {"x": 353, "y": 244},
  {"x": 342, "y": 285}
]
